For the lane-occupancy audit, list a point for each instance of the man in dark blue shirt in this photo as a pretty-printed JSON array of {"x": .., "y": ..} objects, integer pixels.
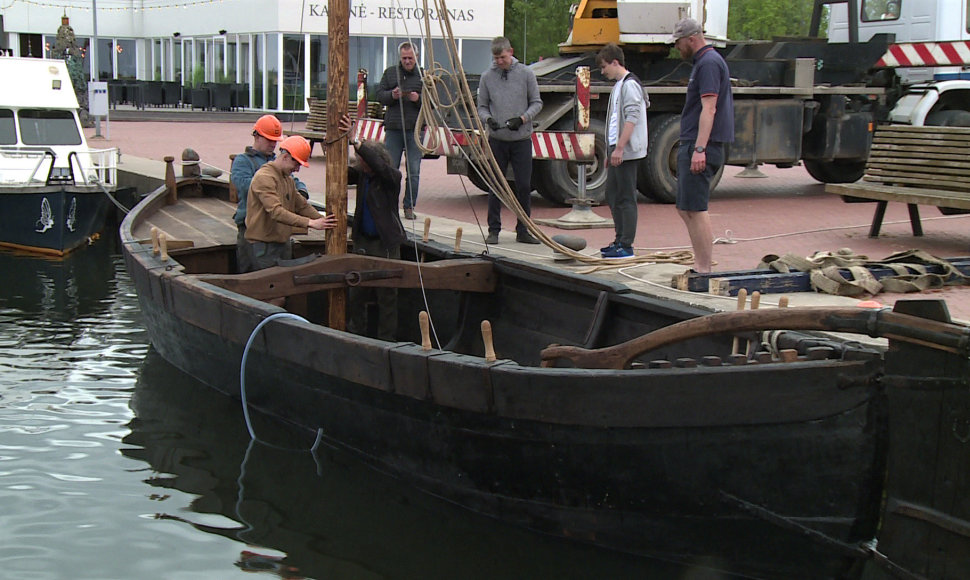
[{"x": 706, "y": 124}]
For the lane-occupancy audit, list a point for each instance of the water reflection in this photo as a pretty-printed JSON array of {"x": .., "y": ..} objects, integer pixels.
[
  {"x": 327, "y": 516},
  {"x": 65, "y": 288}
]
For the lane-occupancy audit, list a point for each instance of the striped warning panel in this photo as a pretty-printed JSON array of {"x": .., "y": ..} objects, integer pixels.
[
  {"x": 563, "y": 145},
  {"x": 370, "y": 129},
  {"x": 444, "y": 141},
  {"x": 914, "y": 54}
]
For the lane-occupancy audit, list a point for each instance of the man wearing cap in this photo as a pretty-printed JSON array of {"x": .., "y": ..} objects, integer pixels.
[
  {"x": 275, "y": 210},
  {"x": 706, "y": 124},
  {"x": 267, "y": 132}
]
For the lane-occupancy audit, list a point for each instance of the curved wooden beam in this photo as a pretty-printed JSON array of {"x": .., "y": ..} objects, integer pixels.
[{"x": 876, "y": 323}]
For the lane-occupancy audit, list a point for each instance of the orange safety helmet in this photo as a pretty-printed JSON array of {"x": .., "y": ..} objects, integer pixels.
[
  {"x": 269, "y": 126},
  {"x": 298, "y": 148}
]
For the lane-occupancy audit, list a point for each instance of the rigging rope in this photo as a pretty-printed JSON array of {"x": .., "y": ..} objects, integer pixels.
[{"x": 462, "y": 109}]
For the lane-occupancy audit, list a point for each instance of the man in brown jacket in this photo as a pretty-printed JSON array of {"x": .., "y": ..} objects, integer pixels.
[{"x": 274, "y": 208}]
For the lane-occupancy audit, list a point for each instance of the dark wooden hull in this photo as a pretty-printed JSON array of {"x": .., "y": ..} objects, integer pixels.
[
  {"x": 51, "y": 219},
  {"x": 739, "y": 460}
]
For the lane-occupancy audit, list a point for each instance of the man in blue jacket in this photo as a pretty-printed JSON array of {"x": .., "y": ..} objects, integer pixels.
[{"x": 508, "y": 101}]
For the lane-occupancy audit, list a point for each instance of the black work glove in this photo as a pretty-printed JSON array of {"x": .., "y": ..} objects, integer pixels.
[
  {"x": 492, "y": 124},
  {"x": 514, "y": 123}
]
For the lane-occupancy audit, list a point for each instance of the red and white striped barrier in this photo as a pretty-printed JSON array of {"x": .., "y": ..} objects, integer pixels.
[
  {"x": 916, "y": 54},
  {"x": 372, "y": 129},
  {"x": 582, "y": 98},
  {"x": 555, "y": 145},
  {"x": 563, "y": 145}
]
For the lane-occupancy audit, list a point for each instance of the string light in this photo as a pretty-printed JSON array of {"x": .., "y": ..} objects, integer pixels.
[{"x": 143, "y": 8}]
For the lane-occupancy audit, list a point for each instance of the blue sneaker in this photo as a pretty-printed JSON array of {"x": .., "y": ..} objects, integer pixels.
[
  {"x": 619, "y": 252},
  {"x": 608, "y": 248}
]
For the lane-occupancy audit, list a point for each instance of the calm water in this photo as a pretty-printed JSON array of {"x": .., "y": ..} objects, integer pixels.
[{"x": 113, "y": 464}]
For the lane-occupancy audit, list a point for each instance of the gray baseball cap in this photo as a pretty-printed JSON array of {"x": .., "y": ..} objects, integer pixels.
[{"x": 684, "y": 28}]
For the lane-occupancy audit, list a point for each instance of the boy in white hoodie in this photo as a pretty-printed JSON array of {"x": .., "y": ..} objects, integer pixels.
[{"x": 626, "y": 140}]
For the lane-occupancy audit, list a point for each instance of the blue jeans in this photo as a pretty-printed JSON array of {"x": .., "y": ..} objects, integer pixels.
[{"x": 396, "y": 142}]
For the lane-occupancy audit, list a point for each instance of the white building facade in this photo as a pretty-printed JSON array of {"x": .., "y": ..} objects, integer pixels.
[{"x": 276, "y": 50}]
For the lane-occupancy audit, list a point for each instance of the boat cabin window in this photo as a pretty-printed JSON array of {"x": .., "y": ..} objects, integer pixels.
[
  {"x": 48, "y": 127},
  {"x": 8, "y": 132}
]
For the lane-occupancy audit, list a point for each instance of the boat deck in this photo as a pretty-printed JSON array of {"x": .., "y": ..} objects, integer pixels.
[{"x": 205, "y": 221}]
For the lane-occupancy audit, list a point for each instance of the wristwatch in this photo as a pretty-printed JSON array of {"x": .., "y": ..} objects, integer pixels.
[{"x": 699, "y": 149}]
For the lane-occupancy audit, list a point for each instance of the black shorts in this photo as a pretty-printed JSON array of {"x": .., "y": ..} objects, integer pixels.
[{"x": 694, "y": 189}]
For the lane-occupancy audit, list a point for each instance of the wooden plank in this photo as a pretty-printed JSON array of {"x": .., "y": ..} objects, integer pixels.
[
  {"x": 698, "y": 281},
  {"x": 924, "y": 129},
  {"x": 342, "y": 270},
  {"x": 951, "y": 188},
  {"x": 927, "y": 156},
  {"x": 916, "y": 169},
  {"x": 937, "y": 197}
]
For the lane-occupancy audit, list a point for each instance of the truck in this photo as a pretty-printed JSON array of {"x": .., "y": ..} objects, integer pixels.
[
  {"x": 798, "y": 101},
  {"x": 925, "y": 94}
]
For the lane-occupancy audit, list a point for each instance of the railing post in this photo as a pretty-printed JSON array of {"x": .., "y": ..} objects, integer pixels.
[{"x": 170, "y": 180}]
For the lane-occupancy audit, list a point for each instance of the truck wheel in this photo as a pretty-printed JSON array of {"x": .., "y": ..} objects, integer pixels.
[
  {"x": 558, "y": 181},
  {"x": 835, "y": 171},
  {"x": 950, "y": 118},
  {"x": 657, "y": 173}
]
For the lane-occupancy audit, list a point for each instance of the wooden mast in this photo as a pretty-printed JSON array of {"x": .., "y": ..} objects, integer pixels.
[{"x": 338, "y": 33}]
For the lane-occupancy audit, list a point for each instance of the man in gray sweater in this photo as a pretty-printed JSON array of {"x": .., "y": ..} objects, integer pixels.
[{"x": 508, "y": 101}]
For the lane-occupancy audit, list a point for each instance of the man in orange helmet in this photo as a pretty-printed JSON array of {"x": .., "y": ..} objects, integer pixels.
[
  {"x": 275, "y": 210},
  {"x": 267, "y": 132}
]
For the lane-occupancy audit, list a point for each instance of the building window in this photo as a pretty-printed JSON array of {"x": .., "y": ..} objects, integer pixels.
[
  {"x": 258, "y": 42},
  {"x": 365, "y": 53},
  {"x": 476, "y": 56},
  {"x": 319, "y": 51},
  {"x": 272, "y": 71},
  {"x": 294, "y": 94},
  {"x": 106, "y": 62},
  {"x": 441, "y": 56},
  {"x": 125, "y": 49}
]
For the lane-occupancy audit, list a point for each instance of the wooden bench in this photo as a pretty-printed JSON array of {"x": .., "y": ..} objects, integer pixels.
[
  {"x": 916, "y": 166},
  {"x": 316, "y": 121}
]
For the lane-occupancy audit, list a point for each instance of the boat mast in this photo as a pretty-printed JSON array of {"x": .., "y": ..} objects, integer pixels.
[{"x": 338, "y": 26}]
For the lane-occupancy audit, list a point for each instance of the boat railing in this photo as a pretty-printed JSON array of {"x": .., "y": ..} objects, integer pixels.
[
  {"x": 25, "y": 167},
  {"x": 37, "y": 167},
  {"x": 96, "y": 166}
]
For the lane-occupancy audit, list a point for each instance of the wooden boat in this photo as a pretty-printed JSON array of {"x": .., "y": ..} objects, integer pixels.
[
  {"x": 53, "y": 188},
  {"x": 332, "y": 516},
  {"x": 785, "y": 464}
]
